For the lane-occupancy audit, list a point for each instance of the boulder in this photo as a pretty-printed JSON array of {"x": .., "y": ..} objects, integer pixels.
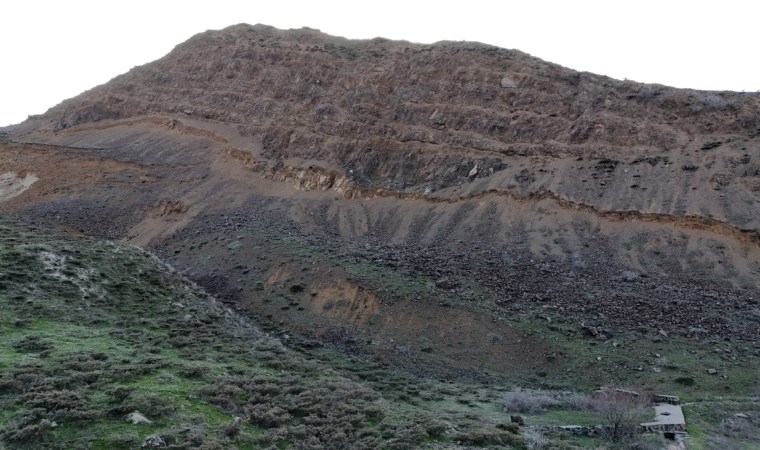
[
  {"x": 508, "y": 83},
  {"x": 137, "y": 418},
  {"x": 444, "y": 283},
  {"x": 153, "y": 441}
]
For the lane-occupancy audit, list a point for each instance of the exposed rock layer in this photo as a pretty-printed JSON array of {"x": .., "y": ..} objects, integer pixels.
[{"x": 364, "y": 172}]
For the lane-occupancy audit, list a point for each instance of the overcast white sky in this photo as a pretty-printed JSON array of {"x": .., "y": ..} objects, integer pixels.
[{"x": 53, "y": 50}]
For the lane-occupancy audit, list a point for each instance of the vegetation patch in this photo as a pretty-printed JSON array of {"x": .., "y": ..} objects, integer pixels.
[{"x": 104, "y": 347}]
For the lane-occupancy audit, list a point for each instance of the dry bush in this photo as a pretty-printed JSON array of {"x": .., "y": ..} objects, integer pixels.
[
  {"x": 151, "y": 405},
  {"x": 717, "y": 442},
  {"x": 579, "y": 402},
  {"x": 622, "y": 411},
  {"x": 528, "y": 402},
  {"x": 534, "y": 440},
  {"x": 24, "y": 432},
  {"x": 742, "y": 427}
]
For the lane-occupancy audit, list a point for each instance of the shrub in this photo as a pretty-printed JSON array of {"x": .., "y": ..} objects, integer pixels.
[
  {"x": 151, "y": 405},
  {"x": 195, "y": 372},
  {"x": 528, "y": 402},
  {"x": 54, "y": 400},
  {"x": 33, "y": 344},
  {"x": 741, "y": 426},
  {"x": 267, "y": 416},
  {"x": 8, "y": 385},
  {"x": 127, "y": 439},
  {"x": 232, "y": 429},
  {"x": 24, "y": 432},
  {"x": 120, "y": 393},
  {"x": 717, "y": 442},
  {"x": 621, "y": 410},
  {"x": 534, "y": 440},
  {"x": 484, "y": 437}
]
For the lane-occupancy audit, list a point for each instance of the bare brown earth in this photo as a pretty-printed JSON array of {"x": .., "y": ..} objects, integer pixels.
[{"x": 454, "y": 209}]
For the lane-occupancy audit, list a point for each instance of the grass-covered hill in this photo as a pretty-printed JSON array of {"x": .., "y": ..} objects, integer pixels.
[{"x": 95, "y": 336}]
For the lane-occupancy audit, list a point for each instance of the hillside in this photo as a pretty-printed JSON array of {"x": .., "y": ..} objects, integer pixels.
[
  {"x": 454, "y": 211},
  {"x": 94, "y": 332}
]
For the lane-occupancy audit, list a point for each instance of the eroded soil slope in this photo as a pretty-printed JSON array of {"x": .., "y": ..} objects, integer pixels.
[{"x": 455, "y": 209}]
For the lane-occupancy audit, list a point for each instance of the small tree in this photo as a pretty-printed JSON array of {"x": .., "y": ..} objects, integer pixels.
[{"x": 623, "y": 411}]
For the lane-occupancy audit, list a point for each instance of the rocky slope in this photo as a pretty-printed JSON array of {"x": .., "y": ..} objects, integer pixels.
[
  {"x": 367, "y": 115},
  {"x": 455, "y": 209}
]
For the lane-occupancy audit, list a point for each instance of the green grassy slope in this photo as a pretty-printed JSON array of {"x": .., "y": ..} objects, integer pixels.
[{"x": 92, "y": 331}]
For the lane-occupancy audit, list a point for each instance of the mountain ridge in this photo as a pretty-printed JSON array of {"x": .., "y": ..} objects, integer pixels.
[{"x": 465, "y": 109}]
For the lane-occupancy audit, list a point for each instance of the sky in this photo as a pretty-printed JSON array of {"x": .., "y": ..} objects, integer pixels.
[{"x": 53, "y": 50}]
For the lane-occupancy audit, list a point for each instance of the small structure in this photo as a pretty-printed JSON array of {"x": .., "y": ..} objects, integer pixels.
[{"x": 668, "y": 416}]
